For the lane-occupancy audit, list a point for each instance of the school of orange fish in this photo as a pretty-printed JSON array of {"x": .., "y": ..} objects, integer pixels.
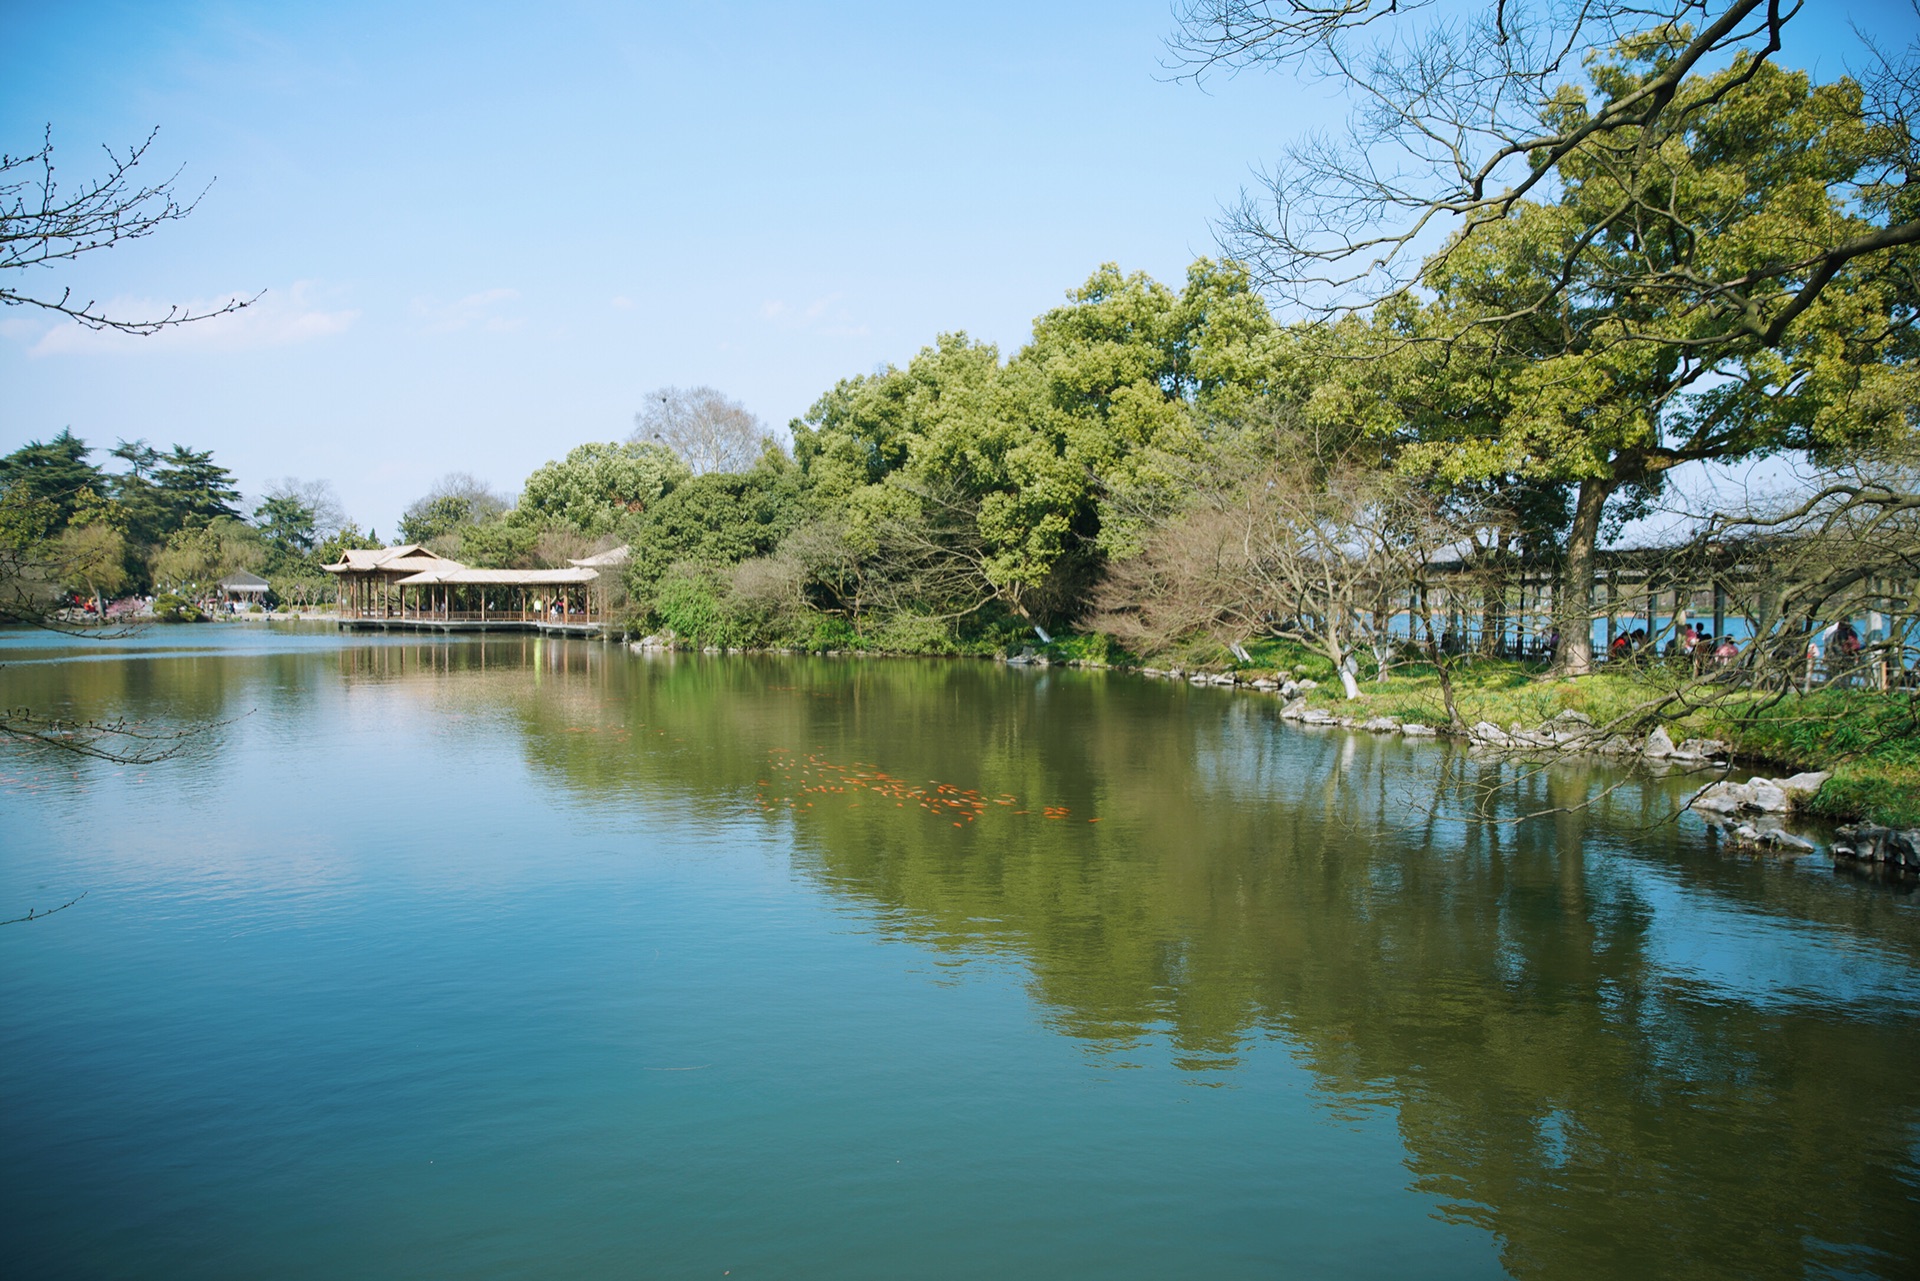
[{"x": 814, "y": 779}]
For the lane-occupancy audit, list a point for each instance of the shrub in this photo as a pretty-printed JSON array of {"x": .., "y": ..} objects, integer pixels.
[
  {"x": 169, "y": 607},
  {"x": 692, "y": 600},
  {"x": 915, "y": 634}
]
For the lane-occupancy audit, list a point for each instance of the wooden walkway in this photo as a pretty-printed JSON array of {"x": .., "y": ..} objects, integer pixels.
[{"x": 499, "y": 622}]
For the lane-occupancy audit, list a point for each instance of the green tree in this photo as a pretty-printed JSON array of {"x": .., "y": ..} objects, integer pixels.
[
  {"x": 288, "y": 525},
  {"x": 432, "y": 518},
  {"x": 1693, "y": 256},
  {"x": 93, "y": 561},
  {"x": 1057, "y": 453},
  {"x": 199, "y": 556},
  {"x": 715, "y": 520},
  {"x": 598, "y": 486},
  {"x": 347, "y": 537},
  {"x": 193, "y": 490},
  {"x": 1647, "y": 363},
  {"x": 56, "y": 471}
]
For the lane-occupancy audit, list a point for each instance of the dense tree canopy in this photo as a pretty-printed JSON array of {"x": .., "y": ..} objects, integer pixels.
[{"x": 597, "y": 486}]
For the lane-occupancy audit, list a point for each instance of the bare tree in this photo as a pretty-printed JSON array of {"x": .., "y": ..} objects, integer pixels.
[
  {"x": 709, "y": 432},
  {"x": 42, "y": 226},
  {"x": 1324, "y": 552}
]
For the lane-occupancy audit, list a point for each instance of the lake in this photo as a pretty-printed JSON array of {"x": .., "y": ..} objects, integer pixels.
[{"x": 524, "y": 958}]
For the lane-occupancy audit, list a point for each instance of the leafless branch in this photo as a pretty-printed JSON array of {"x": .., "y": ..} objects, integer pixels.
[{"x": 42, "y": 226}]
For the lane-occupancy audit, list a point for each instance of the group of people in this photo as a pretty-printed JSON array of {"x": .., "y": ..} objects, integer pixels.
[{"x": 1689, "y": 644}]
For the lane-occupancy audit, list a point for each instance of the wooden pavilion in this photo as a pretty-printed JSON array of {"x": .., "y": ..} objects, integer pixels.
[{"x": 411, "y": 588}]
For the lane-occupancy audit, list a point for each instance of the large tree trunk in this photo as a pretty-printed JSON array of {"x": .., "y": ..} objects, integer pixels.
[{"x": 1572, "y": 603}]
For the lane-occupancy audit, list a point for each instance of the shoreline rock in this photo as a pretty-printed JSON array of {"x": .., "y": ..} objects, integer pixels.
[
  {"x": 1871, "y": 843},
  {"x": 1759, "y": 795}
]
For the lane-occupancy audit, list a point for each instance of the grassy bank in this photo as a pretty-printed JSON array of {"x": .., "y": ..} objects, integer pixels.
[{"x": 1870, "y": 741}]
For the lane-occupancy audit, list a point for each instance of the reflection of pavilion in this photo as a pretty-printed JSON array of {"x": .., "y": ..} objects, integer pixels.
[{"x": 410, "y": 588}]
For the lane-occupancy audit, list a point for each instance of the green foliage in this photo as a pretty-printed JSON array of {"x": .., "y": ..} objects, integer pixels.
[
  {"x": 170, "y": 607},
  {"x": 92, "y": 559},
  {"x": 1871, "y": 790},
  {"x": 198, "y": 556},
  {"x": 193, "y": 490},
  {"x": 824, "y": 631},
  {"x": 597, "y": 487},
  {"x": 55, "y": 472},
  {"x": 691, "y": 599},
  {"x": 26, "y": 519},
  {"x": 1055, "y": 456},
  {"x": 287, "y": 524},
  {"x": 914, "y": 634},
  {"x": 717, "y": 520},
  {"x": 347, "y": 538},
  {"x": 427, "y": 521},
  {"x": 1095, "y": 649},
  {"x": 498, "y": 544}
]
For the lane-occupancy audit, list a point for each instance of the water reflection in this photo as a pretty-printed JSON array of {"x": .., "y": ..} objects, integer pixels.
[
  {"x": 1617, "y": 1050},
  {"x": 1604, "y": 1042}
]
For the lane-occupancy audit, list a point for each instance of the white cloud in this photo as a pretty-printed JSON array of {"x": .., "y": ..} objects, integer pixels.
[
  {"x": 621, "y": 303},
  {"x": 277, "y": 318},
  {"x": 475, "y": 311},
  {"x": 821, "y": 316}
]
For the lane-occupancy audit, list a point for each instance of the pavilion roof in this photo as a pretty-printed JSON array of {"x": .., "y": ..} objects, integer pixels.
[
  {"x": 601, "y": 560},
  {"x": 408, "y": 557}
]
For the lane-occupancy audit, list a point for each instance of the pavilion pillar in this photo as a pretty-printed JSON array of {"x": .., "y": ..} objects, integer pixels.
[{"x": 1607, "y": 586}]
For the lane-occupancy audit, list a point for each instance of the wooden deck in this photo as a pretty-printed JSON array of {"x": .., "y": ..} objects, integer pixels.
[{"x": 490, "y": 621}]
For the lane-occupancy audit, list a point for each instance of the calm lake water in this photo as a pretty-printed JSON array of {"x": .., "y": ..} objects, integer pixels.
[{"x": 537, "y": 959}]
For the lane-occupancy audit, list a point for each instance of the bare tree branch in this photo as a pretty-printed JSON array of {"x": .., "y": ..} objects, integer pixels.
[{"x": 42, "y": 226}]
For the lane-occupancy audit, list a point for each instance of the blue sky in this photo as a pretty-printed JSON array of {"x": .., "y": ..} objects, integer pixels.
[{"x": 485, "y": 231}]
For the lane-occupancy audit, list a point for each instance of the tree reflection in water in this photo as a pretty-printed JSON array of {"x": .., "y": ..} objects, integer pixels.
[
  {"x": 1609, "y": 1045},
  {"x": 1605, "y": 1042}
]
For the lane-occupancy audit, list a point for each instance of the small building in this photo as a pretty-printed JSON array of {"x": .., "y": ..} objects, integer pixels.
[{"x": 243, "y": 588}]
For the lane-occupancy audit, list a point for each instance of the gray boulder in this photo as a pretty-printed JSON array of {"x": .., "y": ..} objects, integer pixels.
[
  {"x": 1413, "y": 729},
  {"x": 1380, "y": 724},
  {"x": 1659, "y": 744},
  {"x": 1722, "y": 797},
  {"x": 1759, "y": 795},
  {"x": 1801, "y": 787},
  {"x": 1871, "y": 843},
  {"x": 1487, "y": 734}
]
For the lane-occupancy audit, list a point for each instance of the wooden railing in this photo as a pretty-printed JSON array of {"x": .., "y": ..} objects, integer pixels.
[{"x": 398, "y": 615}]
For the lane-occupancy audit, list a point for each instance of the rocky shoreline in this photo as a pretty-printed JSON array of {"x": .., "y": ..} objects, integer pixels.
[{"x": 1752, "y": 814}]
